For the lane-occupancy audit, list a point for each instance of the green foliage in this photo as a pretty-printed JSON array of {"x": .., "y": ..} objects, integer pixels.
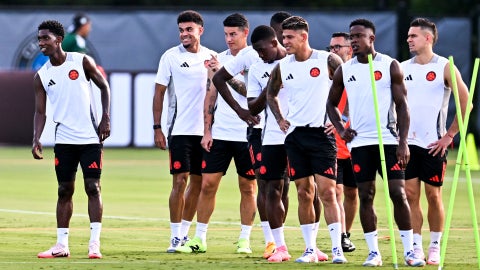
[{"x": 136, "y": 186}]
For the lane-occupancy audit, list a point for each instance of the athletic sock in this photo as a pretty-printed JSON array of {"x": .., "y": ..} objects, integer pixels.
[
  {"x": 407, "y": 240},
  {"x": 335, "y": 230},
  {"x": 372, "y": 241},
  {"x": 62, "y": 236},
  {"x": 279, "y": 236},
  {"x": 308, "y": 235},
  {"x": 267, "y": 232},
  {"x": 435, "y": 238},
  {"x": 201, "y": 231},
  {"x": 245, "y": 232},
  {"x": 185, "y": 228},
  {"x": 417, "y": 241},
  {"x": 175, "y": 229},
  {"x": 95, "y": 229}
]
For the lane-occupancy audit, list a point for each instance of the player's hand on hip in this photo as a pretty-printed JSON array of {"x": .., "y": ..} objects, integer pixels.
[
  {"x": 440, "y": 146},
  {"x": 329, "y": 129},
  {"x": 159, "y": 139}
]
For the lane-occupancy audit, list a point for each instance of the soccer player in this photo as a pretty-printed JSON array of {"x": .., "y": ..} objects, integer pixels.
[
  {"x": 183, "y": 72},
  {"x": 354, "y": 77},
  {"x": 276, "y": 23},
  {"x": 224, "y": 139},
  {"x": 340, "y": 45},
  {"x": 66, "y": 78},
  {"x": 305, "y": 74},
  {"x": 274, "y": 160},
  {"x": 428, "y": 78}
]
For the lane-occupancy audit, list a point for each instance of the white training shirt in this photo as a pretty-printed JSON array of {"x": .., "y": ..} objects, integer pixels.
[
  {"x": 258, "y": 79},
  {"x": 185, "y": 75},
  {"x": 307, "y": 84},
  {"x": 428, "y": 98},
  {"x": 241, "y": 65},
  {"x": 227, "y": 125},
  {"x": 70, "y": 95},
  {"x": 356, "y": 78}
]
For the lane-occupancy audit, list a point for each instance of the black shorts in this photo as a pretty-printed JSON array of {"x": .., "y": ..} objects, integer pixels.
[
  {"x": 345, "y": 174},
  {"x": 274, "y": 162},
  {"x": 221, "y": 154},
  {"x": 366, "y": 163},
  {"x": 254, "y": 138},
  {"x": 429, "y": 169},
  {"x": 67, "y": 157},
  {"x": 185, "y": 154},
  {"x": 310, "y": 151}
]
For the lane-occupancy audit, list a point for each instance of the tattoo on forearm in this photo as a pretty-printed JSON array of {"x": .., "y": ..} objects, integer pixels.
[
  {"x": 238, "y": 86},
  {"x": 209, "y": 82}
]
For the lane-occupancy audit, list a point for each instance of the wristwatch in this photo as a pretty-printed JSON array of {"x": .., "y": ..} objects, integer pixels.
[{"x": 157, "y": 126}]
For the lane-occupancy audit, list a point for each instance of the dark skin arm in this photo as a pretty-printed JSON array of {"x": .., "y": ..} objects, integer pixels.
[
  {"x": 334, "y": 96},
  {"x": 220, "y": 80},
  {"x": 399, "y": 95},
  {"x": 258, "y": 104},
  {"x": 94, "y": 74},
  {"x": 39, "y": 117},
  {"x": 273, "y": 87}
]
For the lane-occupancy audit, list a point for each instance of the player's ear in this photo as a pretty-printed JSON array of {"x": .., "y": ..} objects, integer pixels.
[
  {"x": 274, "y": 42},
  {"x": 200, "y": 30}
]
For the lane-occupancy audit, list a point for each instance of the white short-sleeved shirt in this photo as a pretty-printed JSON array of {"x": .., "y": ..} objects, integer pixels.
[
  {"x": 70, "y": 95},
  {"x": 185, "y": 75},
  {"x": 227, "y": 125},
  {"x": 356, "y": 78},
  {"x": 258, "y": 79},
  {"x": 428, "y": 98},
  {"x": 307, "y": 83}
]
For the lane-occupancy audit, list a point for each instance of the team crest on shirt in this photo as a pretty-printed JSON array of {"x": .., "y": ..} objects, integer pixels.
[
  {"x": 431, "y": 76},
  {"x": 73, "y": 74},
  {"x": 315, "y": 72},
  {"x": 377, "y": 74}
]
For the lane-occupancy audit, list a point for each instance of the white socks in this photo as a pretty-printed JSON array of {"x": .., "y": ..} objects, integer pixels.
[
  {"x": 267, "y": 232},
  {"x": 62, "y": 236}
]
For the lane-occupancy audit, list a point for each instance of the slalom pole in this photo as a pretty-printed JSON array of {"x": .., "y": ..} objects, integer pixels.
[
  {"x": 462, "y": 125},
  {"x": 384, "y": 165}
]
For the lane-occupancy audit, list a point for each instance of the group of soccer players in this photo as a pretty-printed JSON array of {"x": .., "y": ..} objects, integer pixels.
[{"x": 286, "y": 112}]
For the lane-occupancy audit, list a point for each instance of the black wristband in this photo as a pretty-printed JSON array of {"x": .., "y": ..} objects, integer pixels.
[{"x": 157, "y": 126}]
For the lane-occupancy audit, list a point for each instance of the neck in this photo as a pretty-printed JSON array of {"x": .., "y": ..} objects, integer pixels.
[
  {"x": 236, "y": 51},
  {"x": 194, "y": 48},
  {"x": 58, "y": 58},
  {"x": 363, "y": 58},
  {"x": 304, "y": 54},
  {"x": 424, "y": 57}
]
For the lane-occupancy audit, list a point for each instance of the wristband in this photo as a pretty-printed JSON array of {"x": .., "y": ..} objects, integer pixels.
[{"x": 157, "y": 126}]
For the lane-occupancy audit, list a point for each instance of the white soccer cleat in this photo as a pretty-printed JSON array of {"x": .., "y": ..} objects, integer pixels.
[
  {"x": 374, "y": 259},
  {"x": 411, "y": 259},
  {"x": 94, "y": 250},
  {"x": 433, "y": 256},
  {"x": 175, "y": 243},
  {"x": 56, "y": 251},
  {"x": 338, "y": 257},
  {"x": 309, "y": 256}
]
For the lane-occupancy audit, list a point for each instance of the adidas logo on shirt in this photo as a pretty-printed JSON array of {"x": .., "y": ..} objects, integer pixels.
[
  {"x": 289, "y": 77},
  {"x": 409, "y": 78},
  {"x": 352, "y": 79},
  {"x": 51, "y": 82},
  {"x": 265, "y": 75},
  {"x": 184, "y": 64}
]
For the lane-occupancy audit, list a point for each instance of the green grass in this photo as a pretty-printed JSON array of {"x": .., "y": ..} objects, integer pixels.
[{"x": 136, "y": 187}]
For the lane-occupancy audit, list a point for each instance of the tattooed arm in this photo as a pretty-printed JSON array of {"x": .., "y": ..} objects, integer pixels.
[
  {"x": 208, "y": 112},
  {"x": 273, "y": 87}
]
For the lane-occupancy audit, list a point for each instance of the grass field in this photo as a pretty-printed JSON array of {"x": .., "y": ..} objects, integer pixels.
[{"x": 135, "y": 234}]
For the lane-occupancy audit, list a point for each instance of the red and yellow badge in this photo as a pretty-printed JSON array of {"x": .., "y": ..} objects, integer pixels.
[
  {"x": 315, "y": 72},
  {"x": 431, "y": 76},
  {"x": 377, "y": 74},
  {"x": 73, "y": 74}
]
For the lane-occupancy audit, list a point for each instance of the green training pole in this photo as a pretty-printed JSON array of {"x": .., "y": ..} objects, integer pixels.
[
  {"x": 462, "y": 152},
  {"x": 384, "y": 165}
]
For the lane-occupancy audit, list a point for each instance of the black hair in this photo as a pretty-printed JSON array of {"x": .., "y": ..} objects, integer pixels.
[
  {"x": 363, "y": 22},
  {"x": 236, "y": 20},
  {"x": 190, "y": 16},
  {"x": 279, "y": 17},
  {"x": 341, "y": 34},
  {"x": 53, "y": 26},
  {"x": 262, "y": 32},
  {"x": 295, "y": 23},
  {"x": 426, "y": 24},
  {"x": 79, "y": 20}
]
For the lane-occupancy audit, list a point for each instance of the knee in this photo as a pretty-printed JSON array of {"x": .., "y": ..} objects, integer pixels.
[
  {"x": 274, "y": 191},
  {"x": 397, "y": 194},
  {"x": 366, "y": 197},
  {"x": 65, "y": 190},
  {"x": 92, "y": 187},
  {"x": 350, "y": 194},
  {"x": 180, "y": 181},
  {"x": 328, "y": 196},
  {"x": 434, "y": 198},
  {"x": 305, "y": 195}
]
